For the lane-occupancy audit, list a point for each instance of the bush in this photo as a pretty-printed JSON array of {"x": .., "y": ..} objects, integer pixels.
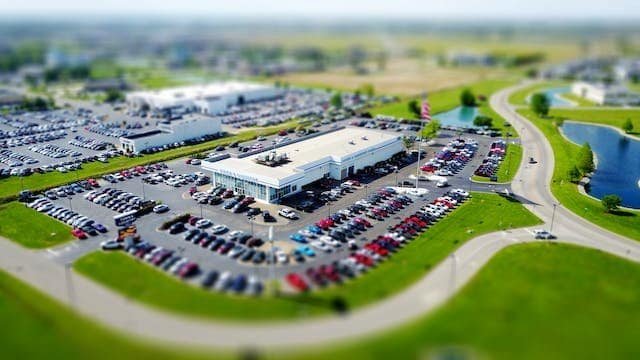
[
  {"x": 540, "y": 104},
  {"x": 482, "y": 120},
  {"x": 414, "y": 107}
]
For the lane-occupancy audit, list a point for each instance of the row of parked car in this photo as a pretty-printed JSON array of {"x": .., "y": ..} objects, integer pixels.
[
  {"x": 218, "y": 239},
  {"x": 134, "y": 172},
  {"x": 32, "y": 139},
  {"x": 88, "y": 143},
  {"x": 192, "y": 141},
  {"x": 115, "y": 199},
  {"x": 451, "y": 158},
  {"x": 83, "y": 226},
  {"x": 381, "y": 248},
  {"x": 14, "y": 159},
  {"x": 54, "y": 151},
  {"x": 63, "y": 166},
  {"x": 492, "y": 160},
  {"x": 71, "y": 189}
]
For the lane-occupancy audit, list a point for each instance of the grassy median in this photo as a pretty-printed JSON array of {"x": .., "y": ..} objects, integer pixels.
[
  {"x": 30, "y": 228},
  {"x": 623, "y": 222},
  {"x": 520, "y": 97},
  {"x": 531, "y": 301},
  {"x": 145, "y": 283}
]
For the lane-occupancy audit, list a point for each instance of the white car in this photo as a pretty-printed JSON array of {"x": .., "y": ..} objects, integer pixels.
[
  {"x": 282, "y": 257},
  {"x": 543, "y": 234},
  {"x": 203, "y": 223},
  {"x": 199, "y": 173},
  {"x": 320, "y": 246},
  {"x": 288, "y": 213},
  {"x": 223, "y": 280},
  {"x": 219, "y": 229},
  {"x": 160, "y": 208},
  {"x": 195, "y": 162},
  {"x": 236, "y": 233},
  {"x": 110, "y": 245}
]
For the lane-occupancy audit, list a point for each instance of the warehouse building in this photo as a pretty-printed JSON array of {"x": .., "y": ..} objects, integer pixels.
[
  {"x": 602, "y": 94},
  {"x": 171, "y": 131},
  {"x": 212, "y": 98},
  {"x": 273, "y": 175}
]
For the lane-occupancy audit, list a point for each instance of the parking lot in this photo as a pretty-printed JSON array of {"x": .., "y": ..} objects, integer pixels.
[{"x": 179, "y": 201}]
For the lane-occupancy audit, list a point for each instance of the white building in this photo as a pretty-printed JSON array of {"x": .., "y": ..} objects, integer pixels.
[
  {"x": 334, "y": 155},
  {"x": 605, "y": 94},
  {"x": 171, "y": 131},
  {"x": 207, "y": 99}
]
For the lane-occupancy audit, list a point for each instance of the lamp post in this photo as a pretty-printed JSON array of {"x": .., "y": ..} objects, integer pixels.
[
  {"x": 329, "y": 208},
  {"x": 396, "y": 172},
  {"x": 251, "y": 223},
  {"x": 553, "y": 217}
]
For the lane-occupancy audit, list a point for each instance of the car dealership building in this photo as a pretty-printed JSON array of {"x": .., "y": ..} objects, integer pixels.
[{"x": 272, "y": 175}]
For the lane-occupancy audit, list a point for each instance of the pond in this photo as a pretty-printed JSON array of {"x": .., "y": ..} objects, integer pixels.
[
  {"x": 462, "y": 116},
  {"x": 553, "y": 94},
  {"x": 618, "y": 161}
]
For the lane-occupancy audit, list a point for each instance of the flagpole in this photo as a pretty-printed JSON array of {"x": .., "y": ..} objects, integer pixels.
[{"x": 424, "y": 96}]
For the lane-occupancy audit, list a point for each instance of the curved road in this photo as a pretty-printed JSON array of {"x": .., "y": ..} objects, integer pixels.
[{"x": 116, "y": 311}]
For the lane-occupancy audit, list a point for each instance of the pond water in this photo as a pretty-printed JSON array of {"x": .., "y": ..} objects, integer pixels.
[
  {"x": 555, "y": 99},
  {"x": 462, "y": 116},
  {"x": 618, "y": 161}
]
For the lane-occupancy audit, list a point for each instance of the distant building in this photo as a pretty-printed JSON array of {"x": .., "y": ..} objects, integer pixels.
[
  {"x": 602, "y": 94},
  {"x": 56, "y": 58},
  {"x": 170, "y": 132},
  {"x": 211, "y": 99},
  {"x": 10, "y": 99},
  {"x": 105, "y": 85}
]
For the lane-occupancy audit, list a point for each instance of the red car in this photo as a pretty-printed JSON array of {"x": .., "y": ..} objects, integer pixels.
[
  {"x": 362, "y": 221},
  {"x": 329, "y": 272},
  {"x": 377, "y": 249},
  {"x": 355, "y": 182},
  {"x": 79, "y": 234},
  {"x": 362, "y": 259},
  {"x": 93, "y": 182},
  {"x": 296, "y": 282},
  {"x": 325, "y": 223},
  {"x": 188, "y": 269},
  {"x": 192, "y": 220},
  {"x": 188, "y": 161}
]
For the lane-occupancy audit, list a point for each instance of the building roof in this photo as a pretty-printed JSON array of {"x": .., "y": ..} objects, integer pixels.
[
  {"x": 142, "y": 135},
  {"x": 304, "y": 155},
  {"x": 195, "y": 92}
]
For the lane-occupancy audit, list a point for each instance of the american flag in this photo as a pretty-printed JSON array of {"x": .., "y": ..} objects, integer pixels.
[{"x": 425, "y": 111}]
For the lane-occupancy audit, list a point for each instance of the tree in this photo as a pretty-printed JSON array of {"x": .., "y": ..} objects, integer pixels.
[
  {"x": 482, "y": 120},
  {"x": 574, "y": 174},
  {"x": 611, "y": 202},
  {"x": 467, "y": 98},
  {"x": 627, "y": 126},
  {"x": 336, "y": 100},
  {"x": 114, "y": 95},
  {"x": 414, "y": 107},
  {"x": 585, "y": 159},
  {"x": 430, "y": 130},
  {"x": 540, "y": 104}
]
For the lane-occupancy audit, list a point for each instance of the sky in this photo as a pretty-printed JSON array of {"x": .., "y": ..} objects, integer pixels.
[{"x": 332, "y": 9}]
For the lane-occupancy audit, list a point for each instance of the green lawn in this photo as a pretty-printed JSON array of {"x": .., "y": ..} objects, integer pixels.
[
  {"x": 42, "y": 328},
  {"x": 146, "y": 284},
  {"x": 10, "y": 187},
  {"x": 532, "y": 301},
  {"x": 509, "y": 165},
  {"x": 30, "y": 228},
  {"x": 626, "y": 223},
  {"x": 520, "y": 97},
  {"x": 580, "y": 101},
  {"x": 551, "y": 301},
  {"x": 443, "y": 100},
  {"x": 609, "y": 116}
]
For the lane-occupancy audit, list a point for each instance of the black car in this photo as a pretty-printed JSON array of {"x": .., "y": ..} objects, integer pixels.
[
  {"x": 210, "y": 279},
  {"x": 253, "y": 211},
  {"x": 176, "y": 228},
  {"x": 259, "y": 257},
  {"x": 248, "y": 255},
  {"x": 267, "y": 217}
]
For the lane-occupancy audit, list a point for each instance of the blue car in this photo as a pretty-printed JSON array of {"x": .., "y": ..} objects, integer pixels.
[
  {"x": 314, "y": 229},
  {"x": 306, "y": 250},
  {"x": 298, "y": 238},
  {"x": 101, "y": 228}
]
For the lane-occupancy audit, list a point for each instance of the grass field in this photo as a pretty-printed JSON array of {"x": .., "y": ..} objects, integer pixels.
[
  {"x": 29, "y": 228},
  {"x": 532, "y": 301},
  {"x": 146, "y": 284},
  {"x": 580, "y": 101},
  {"x": 609, "y": 116},
  {"x": 509, "y": 165},
  {"x": 520, "y": 97},
  {"x": 626, "y": 223},
  {"x": 10, "y": 187}
]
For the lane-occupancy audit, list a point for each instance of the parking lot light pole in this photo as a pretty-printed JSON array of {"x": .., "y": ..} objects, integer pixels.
[
  {"x": 201, "y": 211},
  {"x": 70, "y": 206},
  {"x": 272, "y": 277},
  {"x": 396, "y": 183},
  {"x": 553, "y": 217},
  {"x": 329, "y": 207},
  {"x": 251, "y": 223},
  {"x": 144, "y": 197}
]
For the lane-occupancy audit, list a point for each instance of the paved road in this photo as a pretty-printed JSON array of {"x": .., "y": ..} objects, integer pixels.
[{"x": 429, "y": 292}]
